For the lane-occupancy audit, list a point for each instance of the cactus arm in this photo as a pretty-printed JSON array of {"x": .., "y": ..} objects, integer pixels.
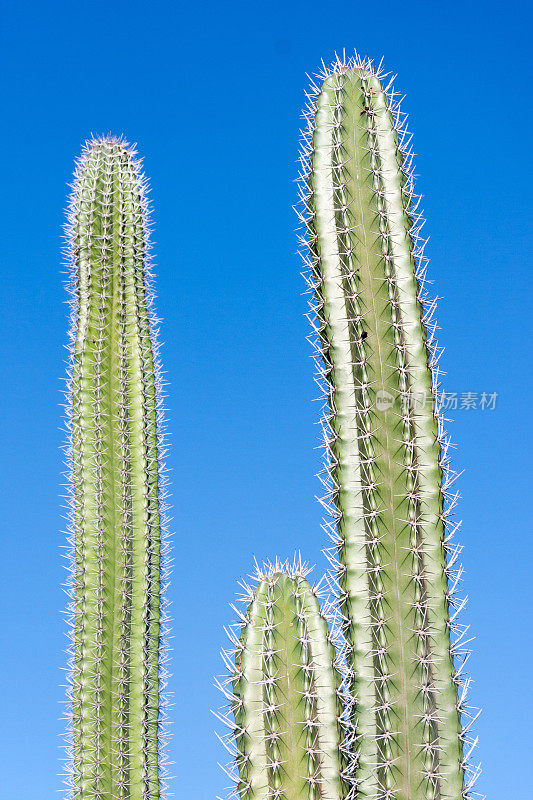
[
  {"x": 116, "y": 483},
  {"x": 384, "y": 453},
  {"x": 286, "y": 695}
]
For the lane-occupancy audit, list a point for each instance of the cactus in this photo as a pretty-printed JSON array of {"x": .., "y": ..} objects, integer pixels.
[
  {"x": 284, "y": 693},
  {"x": 118, "y": 530},
  {"x": 387, "y": 475}
]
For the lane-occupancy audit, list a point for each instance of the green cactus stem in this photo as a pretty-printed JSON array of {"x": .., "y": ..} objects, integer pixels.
[
  {"x": 284, "y": 693},
  {"x": 117, "y": 511},
  {"x": 387, "y": 473}
]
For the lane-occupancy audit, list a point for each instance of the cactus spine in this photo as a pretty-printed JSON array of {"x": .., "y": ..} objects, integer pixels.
[
  {"x": 284, "y": 695},
  {"x": 117, "y": 512},
  {"x": 387, "y": 473}
]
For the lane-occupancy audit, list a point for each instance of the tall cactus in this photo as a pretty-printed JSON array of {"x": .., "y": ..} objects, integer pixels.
[
  {"x": 387, "y": 473},
  {"x": 284, "y": 693},
  {"x": 117, "y": 522}
]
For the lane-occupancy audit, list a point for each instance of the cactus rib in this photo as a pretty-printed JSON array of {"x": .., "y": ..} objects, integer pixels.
[
  {"x": 384, "y": 440},
  {"x": 285, "y": 693},
  {"x": 118, "y": 513}
]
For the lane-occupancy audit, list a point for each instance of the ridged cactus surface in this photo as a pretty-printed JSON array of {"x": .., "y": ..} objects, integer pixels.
[
  {"x": 387, "y": 476},
  {"x": 284, "y": 694},
  {"x": 117, "y": 508}
]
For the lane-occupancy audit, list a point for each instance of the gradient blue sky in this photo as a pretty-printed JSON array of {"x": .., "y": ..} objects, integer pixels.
[{"x": 212, "y": 94}]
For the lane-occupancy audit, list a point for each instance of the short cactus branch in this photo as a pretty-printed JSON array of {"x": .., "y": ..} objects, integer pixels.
[
  {"x": 284, "y": 694},
  {"x": 387, "y": 471},
  {"x": 117, "y": 529}
]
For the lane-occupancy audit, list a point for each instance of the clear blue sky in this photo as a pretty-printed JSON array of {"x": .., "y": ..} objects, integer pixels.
[{"x": 212, "y": 94}]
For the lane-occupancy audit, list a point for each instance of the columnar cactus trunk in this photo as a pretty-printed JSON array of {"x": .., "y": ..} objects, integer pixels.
[
  {"x": 285, "y": 695},
  {"x": 384, "y": 458},
  {"x": 116, "y": 484}
]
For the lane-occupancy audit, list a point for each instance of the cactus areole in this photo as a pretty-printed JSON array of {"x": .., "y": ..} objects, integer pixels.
[{"x": 116, "y": 485}]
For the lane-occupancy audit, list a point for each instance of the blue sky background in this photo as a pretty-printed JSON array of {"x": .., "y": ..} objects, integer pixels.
[{"x": 212, "y": 94}]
